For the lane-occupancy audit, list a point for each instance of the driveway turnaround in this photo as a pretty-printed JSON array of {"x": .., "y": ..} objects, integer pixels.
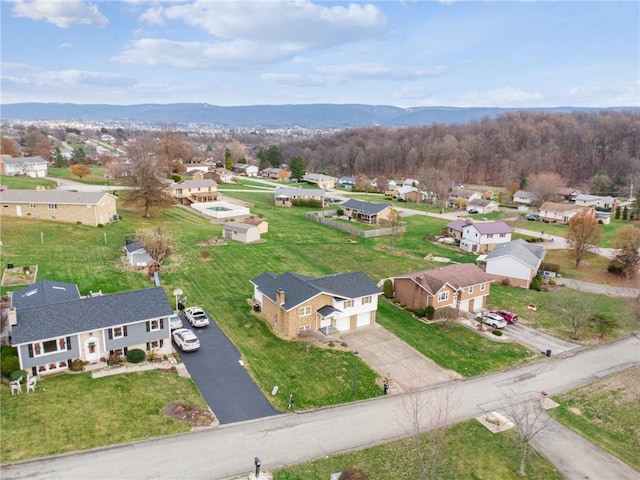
[
  {"x": 539, "y": 341},
  {"x": 224, "y": 383}
]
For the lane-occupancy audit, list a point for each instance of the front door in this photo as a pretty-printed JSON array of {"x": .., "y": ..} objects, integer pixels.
[
  {"x": 91, "y": 350},
  {"x": 18, "y": 210}
]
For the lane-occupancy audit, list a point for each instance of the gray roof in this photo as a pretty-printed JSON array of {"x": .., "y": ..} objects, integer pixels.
[
  {"x": 458, "y": 276},
  {"x": 44, "y": 292},
  {"x": 523, "y": 194},
  {"x": 8, "y": 160},
  {"x": 240, "y": 227},
  {"x": 89, "y": 314},
  {"x": 366, "y": 207},
  {"x": 133, "y": 246},
  {"x": 299, "y": 192},
  {"x": 529, "y": 254},
  {"x": 51, "y": 196},
  {"x": 300, "y": 288},
  {"x": 207, "y": 182},
  {"x": 480, "y": 202}
]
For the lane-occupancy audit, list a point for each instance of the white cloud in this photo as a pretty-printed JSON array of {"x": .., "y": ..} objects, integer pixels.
[
  {"x": 617, "y": 95},
  {"x": 4, "y": 66},
  {"x": 62, "y": 14},
  {"x": 300, "y": 80},
  {"x": 378, "y": 71},
  {"x": 71, "y": 79},
  {"x": 65, "y": 45}
]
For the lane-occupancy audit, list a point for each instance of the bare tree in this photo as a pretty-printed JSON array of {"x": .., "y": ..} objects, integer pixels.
[
  {"x": 25, "y": 168},
  {"x": 156, "y": 243},
  {"x": 544, "y": 186},
  {"x": 424, "y": 415},
  {"x": 394, "y": 222},
  {"x": 574, "y": 309},
  {"x": 173, "y": 149},
  {"x": 583, "y": 234},
  {"x": 529, "y": 419},
  {"x": 147, "y": 188},
  {"x": 627, "y": 260}
]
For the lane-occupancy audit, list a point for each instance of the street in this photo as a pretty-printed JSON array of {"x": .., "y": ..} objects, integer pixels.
[{"x": 228, "y": 451}]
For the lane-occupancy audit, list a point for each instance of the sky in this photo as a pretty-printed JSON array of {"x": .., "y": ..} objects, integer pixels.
[{"x": 273, "y": 52}]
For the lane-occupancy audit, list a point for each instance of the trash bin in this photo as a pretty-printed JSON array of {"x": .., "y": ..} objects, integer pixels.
[
  {"x": 256, "y": 307},
  {"x": 548, "y": 353},
  {"x": 9, "y": 265}
]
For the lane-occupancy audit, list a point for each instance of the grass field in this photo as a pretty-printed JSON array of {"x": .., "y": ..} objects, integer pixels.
[
  {"x": 470, "y": 451},
  {"x": 20, "y": 182},
  {"x": 96, "y": 178},
  {"x": 607, "y": 413}
]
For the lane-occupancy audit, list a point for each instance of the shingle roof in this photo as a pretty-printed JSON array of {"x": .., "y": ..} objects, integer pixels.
[
  {"x": 300, "y": 288},
  {"x": 458, "y": 276},
  {"x": 479, "y": 202},
  {"x": 558, "y": 207},
  {"x": 523, "y": 194},
  {"x": 458, "y": 224},
  {"x": 132, "y": 247},
  {"x": 8, "y": 160},
  {"x": 87, "y": 314},
  {"x": 51, "y": 196},
  {"x": 527, "y": 253},
  {"x": 366, "y": 207},
  {"x": 207, "y": 182},
  {"x": 240, "y": 227},
  {"x": 299, "y": 192},
  {"x": 44, "y": 292},
  {"x": 485, "y": 228}
]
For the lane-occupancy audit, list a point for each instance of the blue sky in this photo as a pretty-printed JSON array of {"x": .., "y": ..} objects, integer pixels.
[{"x": 258, "y": 52}]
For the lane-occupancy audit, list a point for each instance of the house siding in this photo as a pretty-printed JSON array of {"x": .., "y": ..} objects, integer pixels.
[{"x": 86, "y": 214}]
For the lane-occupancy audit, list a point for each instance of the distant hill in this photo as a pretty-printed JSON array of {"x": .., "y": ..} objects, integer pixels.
[{"x": 266, "y": 116}]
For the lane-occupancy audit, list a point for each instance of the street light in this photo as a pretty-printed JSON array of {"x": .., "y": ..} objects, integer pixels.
[
  {"x": 355, "y": 372},
  {"x": 177, "y": 292}
]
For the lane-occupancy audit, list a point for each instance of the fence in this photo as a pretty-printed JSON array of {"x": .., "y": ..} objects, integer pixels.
[{"x": 320, "y": 217}]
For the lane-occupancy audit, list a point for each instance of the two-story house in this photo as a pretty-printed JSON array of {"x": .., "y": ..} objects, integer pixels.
[
  {"x": 482, "y": 237},
  {"x": 194, "y": 191},
  {"x": 463, "y": 287},
  {"x": 52, "y": 325},
  {"x": 460, "y": 197},
  {"x": 606, "y": 203},
  {"x": 35, "y": 167},
  {"x": 245, "y": 169},
  {"x": 293, "y": 304},
  {"x": 325, "y": 182},
  {"x": 278, "y": 174}
]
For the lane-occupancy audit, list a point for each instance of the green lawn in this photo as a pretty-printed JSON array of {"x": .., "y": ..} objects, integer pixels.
[
  {"x": 607, "y": 413},
  {"x": 470, "y": 451},
  {"x": 76, "y": 412},
  {"x": 96, "y": 178},
  {"x": 20, "y": 182}
]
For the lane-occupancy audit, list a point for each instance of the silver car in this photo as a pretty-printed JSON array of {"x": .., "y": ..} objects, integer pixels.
[
  {"x": 196, "y": 317},
  {"x": 494, "y": 320},
  {"x": 185, "y": 339}
]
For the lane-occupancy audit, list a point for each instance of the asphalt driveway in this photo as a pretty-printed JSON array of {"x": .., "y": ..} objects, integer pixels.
[
  {"x": 224, "y": 383},
  {"x": 539, "y": 341}
]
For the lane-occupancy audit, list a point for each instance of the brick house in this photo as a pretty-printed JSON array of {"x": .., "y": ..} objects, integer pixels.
[
  {"x": 367, "y": 212},
  {"x": 194, "y": 191}
]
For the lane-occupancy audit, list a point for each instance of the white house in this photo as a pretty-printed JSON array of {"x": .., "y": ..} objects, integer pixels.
[
  {"x": 516, "y": 262},
  {"x": 241, "y": 232},
  {"x": 35, "y": 167},
  {"x": 482, "y": 206},
  {"x": 482, "y": 237},
  {"x": 245, "y": 169},
  {"x": 607, "y": 203},
  {"x": 558, "y": 212}
]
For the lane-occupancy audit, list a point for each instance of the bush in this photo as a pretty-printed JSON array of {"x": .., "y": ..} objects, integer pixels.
[
  {"x": 100, "y": 225},
  {"x": 10, "y": 363},
  {"x": 353, "y": 474},
  {"x": 553, "y": 282},
  {"x": 301, "y": 202},
  {"x": 536, "y": 283},
  {"x": 18, "y": 374},
  {"x": 206, "y": 254},
  {"x": 550, "y": 267},
  {"x": 340, "y": 212},
  {"x": 8, "y": 350},
  {"x": 418, "y": 312},
  {"x": 114, "y": 360},
  {"x": 496, "y": 332},
  {"x": 387, "y": 288},
  {"x": 135, "y": 355},
  {"x": 429, "y": 312},
  {"x": 77, "y": 365},
  {"x": 505, "y": 282},
  {"x": 176, "y": 178}
]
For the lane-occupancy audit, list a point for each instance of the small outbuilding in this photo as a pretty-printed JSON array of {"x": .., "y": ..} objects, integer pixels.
[{"x": 241, "y": 232}]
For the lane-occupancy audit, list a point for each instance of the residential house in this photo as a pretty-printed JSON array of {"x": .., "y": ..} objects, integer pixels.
[
  {"x": 241, "y": 232},
  {"x": 35, "y": 167},
  {"x": 411, "y": 182},
  {"x": 567, "y": 194},
  {"x": 278, "y": 174},
  {"x": 346, "y": 182},
  {"x": 482, "y": 205},
  {"x": 287, "y": 196},
  {"x": 516, "y": 262},
  {"x": 607, "y": 203},
  {"x": 194, "y": 191},
  {"x": 460, "y": 197},
  {"x": 320, "y": 180},
  {"x": 222, "y": 175},
  {"x": 51, "y": 325},
  {"x": 261, "y": 223},
  {"x": 523, "y": 199},
  {"x": 294, "y": 304},
  {"x": 367, "y": 212},
  {"x": 482, "y": 237},
  {"x": 463, "y": 287},
  {"x": 455, "y": 228},
  {"x": 558, "y": 212},
  {"x": 245, "y": 169},
  {"x": 86, "y": 208},
  {"x": 136, "y": 255},
  {"x": 204, "y": 175}
]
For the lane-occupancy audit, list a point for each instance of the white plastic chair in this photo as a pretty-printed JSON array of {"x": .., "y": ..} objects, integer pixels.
[
  {"x": 16, "y": 386},
  {"x": 31, "y": 384}
]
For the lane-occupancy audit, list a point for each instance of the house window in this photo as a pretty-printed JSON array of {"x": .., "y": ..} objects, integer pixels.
[
  {"x": 442, "y": 296},
  {"x": 502, "y": 235},
  {"x": 366, "y": 300},
  {"x": 32, "y": 205},
  {"x": 51, "y": 346},
  {"x": 489, "y": 235},
  {"x": 304, "y": 311},
  {"x": 154, "y": 325},
  {"x": 482, "y": 287},
  {"x": 348, "y": 303},
  {"x": 118, "y": 351},
  {"x": 471, "y": 289},
  {"x": 155, "y": 345},
  {"x": 118, "y": 332},
  {"x": 304, "y": 328},
  {"x": 53, "y": 206}
]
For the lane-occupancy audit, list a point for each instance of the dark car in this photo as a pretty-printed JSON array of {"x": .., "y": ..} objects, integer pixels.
[
  {"x": 510, "y": 317},
  {"x": 472, "y": 211},
  {"x": 533, "y": 217}
]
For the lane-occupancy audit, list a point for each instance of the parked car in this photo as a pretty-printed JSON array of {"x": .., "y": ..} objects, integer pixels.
[
  {"x": 473, "y": 210},
  {"x": 492, "y": 319},
  {"x": 185, "y": 339},
  {"x": 532, "y": 217},
  {"x": 175, "y": 322},
  {"x": 196, "y": 316},
  {"x": 510, "y": 317}
]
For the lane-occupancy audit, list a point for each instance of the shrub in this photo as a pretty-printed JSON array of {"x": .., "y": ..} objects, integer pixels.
[
  {"x": 496, "y": 332},
  {"x": 176, "y": 178},
  {"x": 550, "y": 267},
  {"x": 536, "y": 283},
  {"x": 387, "y": 288},
  {"x": 505, "y": 282},
  {"x": 8, "y": 350},
  {"x": 100, "y": 225},
  {"x": 114, "y": 360},
  {"x": 340, "y": 212},
  {"x": 418, "y": 312},
  {"x": 553, "y": 282},
  {"x": 206, "y": 254},
  {"x": 331, "y": 343},
  {"x": 429, "y": 312},
  {"x": 135, "y": 355},
  {"x": 10, "y": 363},
  {"x": 77, "y": 365},
  {"x": 18, "y": 374},
  {"x": 353, "y": 474}
]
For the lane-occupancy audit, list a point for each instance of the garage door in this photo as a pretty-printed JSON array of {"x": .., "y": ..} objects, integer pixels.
[
  {"x": 342, "y": 324},
  {"x": 464, "y": 306},
  {"x": 364, "y": 319}
]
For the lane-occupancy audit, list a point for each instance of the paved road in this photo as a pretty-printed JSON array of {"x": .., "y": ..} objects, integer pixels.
[
  {"x": 228, "y": 451},
  {"x": 599, "y": 288},
  {"x": 223, "y": 382}
]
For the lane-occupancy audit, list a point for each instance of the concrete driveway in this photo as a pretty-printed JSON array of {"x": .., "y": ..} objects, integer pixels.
[
  {"x": 224, "y": 383},
  {"x": 537, "y": 340},
  {"x": 388, "y": 355}
]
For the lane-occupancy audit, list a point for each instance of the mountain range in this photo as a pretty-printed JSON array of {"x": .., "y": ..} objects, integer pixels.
[{"x": 265, "y": 116}]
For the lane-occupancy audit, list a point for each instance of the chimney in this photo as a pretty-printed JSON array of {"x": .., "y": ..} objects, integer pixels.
[{"x": 280, "y": 296}]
